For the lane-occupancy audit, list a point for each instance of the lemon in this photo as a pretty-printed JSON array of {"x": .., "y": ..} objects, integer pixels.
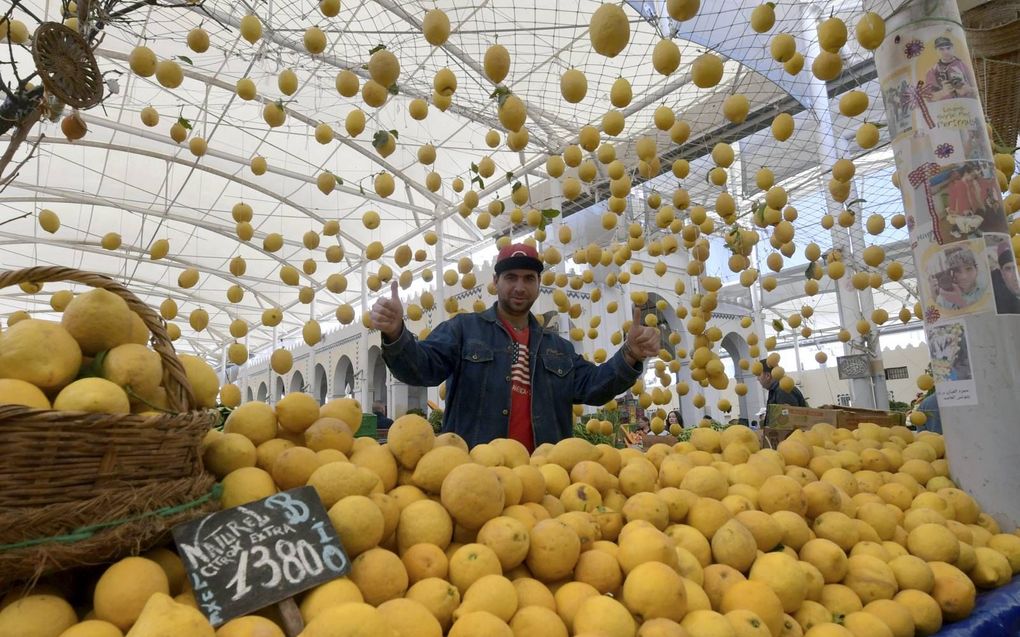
[
  {"x": 480, "y": 623},
  {"x": 867, "y": 135},
  {"x": 93, "y": 395},
  {"x": 41, "y": 353},
  {"x": 735, "y": 108},
  {"x": 314, "y": 40},
  {"x": 251, "y": 28},
  {"x": 92, "y": 628},
  {"x": 352, "y": 619},
  {"x": 573, "y": 86},
  {"x": 496, "y": 63},
  {"x": 853, "y": 103},
  {"x": 142, "y": 61},
  {"x": 763, "y": 18},
  {"x": 255, "y": 421},
  {"x": 124, "y": 588},
  {"x": 445, "y": 82},
  {"x": 244, "y": 485},
  {"x": 379, "y": 575},
  {"x": 832, "y": 34},
  {"x": 198, "y": 40},
  {"x": 682, "y": 10},
  {"x": 665, "y": 57},
  {"x": 18, "y": 392},
  {"x": 620, "y": 94},
  {"x": 707, "y": 70},
  {"x": 512, "y": 113},
  {"x": 228, "y": 453},
  {"x": 249, "y": 626},
  {"x": 133, "y": 366},
  {"x": 297, "y": 411},
  {"x": 359, "y": 522},
  {"x": 537, "y": 620},
  {"x": 604, "y": 616},
  {"x": 205, "y": 384},
  {"x": 49, "y": 221},
  {"x": 436, "y": 27},
  {"x": 757, "y": 597},
  {"x": 782, "y": 47},
  {"x": 39, "y": 615},
  {"x": 827, "y": 66},
  {"x": 334, "y": 593},
  {"x": 609, "y": 30},
  {"x": 384, "y": 67},
  {"x": 163, "y": 615},
  {"x": 98, "y": 319},
  {"x": 870, "y": 30},
  {"x": 654, "y": 590},
  {"x": 169, "y": 73}
]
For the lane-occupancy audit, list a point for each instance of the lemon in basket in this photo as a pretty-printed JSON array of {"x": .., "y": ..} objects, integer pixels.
[
  {"x": 135, "y": 366},
  {"x": 99, "y": 320},
  {"x": 39, "y": 352},
  {"x": 94, "y": 395},
  {"x": 19, "y": 392},
  {"x": 203, "y": 379}
]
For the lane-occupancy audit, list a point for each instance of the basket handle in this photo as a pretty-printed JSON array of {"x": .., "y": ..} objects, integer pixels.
[{"x": 179, "y": 396}]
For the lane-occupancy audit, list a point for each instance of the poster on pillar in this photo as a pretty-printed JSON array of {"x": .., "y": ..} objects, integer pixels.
[
  {"x": 950, "y": 364},
  {"x": 951, "y": 197}
]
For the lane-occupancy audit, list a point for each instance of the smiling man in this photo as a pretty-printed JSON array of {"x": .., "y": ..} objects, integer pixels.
[{"x": 507, "y": 377}]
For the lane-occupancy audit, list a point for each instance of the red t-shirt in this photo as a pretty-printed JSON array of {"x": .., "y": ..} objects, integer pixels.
[{"x": 520, "y": 388}]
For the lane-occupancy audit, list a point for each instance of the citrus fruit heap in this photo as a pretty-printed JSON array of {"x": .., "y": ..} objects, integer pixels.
[
  {"x": 835, "y": 533},
  {"x": 96, "y": 359}
]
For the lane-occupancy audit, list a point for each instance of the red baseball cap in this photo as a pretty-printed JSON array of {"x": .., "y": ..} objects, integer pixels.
[{"x": 518, "y": 256}]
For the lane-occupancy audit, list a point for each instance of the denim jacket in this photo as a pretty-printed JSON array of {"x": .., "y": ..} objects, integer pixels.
[{"x": 473, "y": 353}]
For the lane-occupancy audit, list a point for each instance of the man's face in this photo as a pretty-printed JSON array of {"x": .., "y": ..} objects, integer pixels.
[
  {"x": 965, "y": 277},
  {"x": 1009, "y": 275},
  {"x": 765, "y": 379},
  {"x": 946, "y": 53},
  {"x": 517, "y": 290}
]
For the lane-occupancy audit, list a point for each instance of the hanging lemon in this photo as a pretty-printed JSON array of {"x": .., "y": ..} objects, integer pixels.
[{"x": 609, "y": 30}]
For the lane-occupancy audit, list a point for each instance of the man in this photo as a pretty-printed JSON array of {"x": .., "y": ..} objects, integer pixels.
[
  {"x": 966, "y": 290},
  {"x": 379, "y": 409},
  {"x": 950, "y": 77},
  {"x": 505, "y": 376},
  {"x": 776, "y": 394}
]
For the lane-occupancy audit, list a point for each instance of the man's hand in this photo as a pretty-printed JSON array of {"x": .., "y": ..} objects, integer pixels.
[
  {"x": 642, "y": 341},
  {"x": 388, "y": 315}
]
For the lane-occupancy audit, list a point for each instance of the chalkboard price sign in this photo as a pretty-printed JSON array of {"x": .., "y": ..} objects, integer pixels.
[{"x": 260, "y": 553}]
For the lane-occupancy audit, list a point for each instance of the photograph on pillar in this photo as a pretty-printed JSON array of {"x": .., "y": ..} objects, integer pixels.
[
  {"x": 1003, "y": 268},
  {"x": 950, "y": 364},
  {"x": 958, "y": 281},
  {"x": 965, "y": 201}
]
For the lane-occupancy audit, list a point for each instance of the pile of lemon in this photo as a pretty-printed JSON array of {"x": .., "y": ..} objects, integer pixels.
[
  {"x": 835, "y": 533},
  {"x": 96, "y": 359}
]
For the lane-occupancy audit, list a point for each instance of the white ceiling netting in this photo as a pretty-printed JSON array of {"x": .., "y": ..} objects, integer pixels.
[{"x": 135, "y": 180}]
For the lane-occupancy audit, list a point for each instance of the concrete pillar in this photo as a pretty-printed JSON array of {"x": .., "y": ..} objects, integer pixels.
[
  {"x": 362, "y": 372},
  {"x": 439, "y": 313},
  {"x": 937, "y": 128},
  {"x": 861, "y": 392}
]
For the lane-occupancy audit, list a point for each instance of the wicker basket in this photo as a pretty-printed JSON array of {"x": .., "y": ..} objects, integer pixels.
[
  {"x": 79, "y": 489},
  {"x": 993, "y": 34}
]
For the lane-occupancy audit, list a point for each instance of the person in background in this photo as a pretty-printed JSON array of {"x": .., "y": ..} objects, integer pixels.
[
  {"x": 930, "y": 407},
  {"x": 776, "y": 394},
  {"x": 506, "y": 376},
  {"x": 381, "y": 420},
  {"x": 674, "y": 418}
]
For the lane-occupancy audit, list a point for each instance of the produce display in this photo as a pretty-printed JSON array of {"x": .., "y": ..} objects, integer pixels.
[
  {"x": 834, "y": 533},
  {"x": 96, "y": 360}
]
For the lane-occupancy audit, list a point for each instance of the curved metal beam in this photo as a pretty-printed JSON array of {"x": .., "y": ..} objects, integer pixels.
[
  {"x": 71, "y": 196},
  {"x": 191, "y": 163},
  {"x": 270, "y": 35},
  {"x": 94, "y": 248}
]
